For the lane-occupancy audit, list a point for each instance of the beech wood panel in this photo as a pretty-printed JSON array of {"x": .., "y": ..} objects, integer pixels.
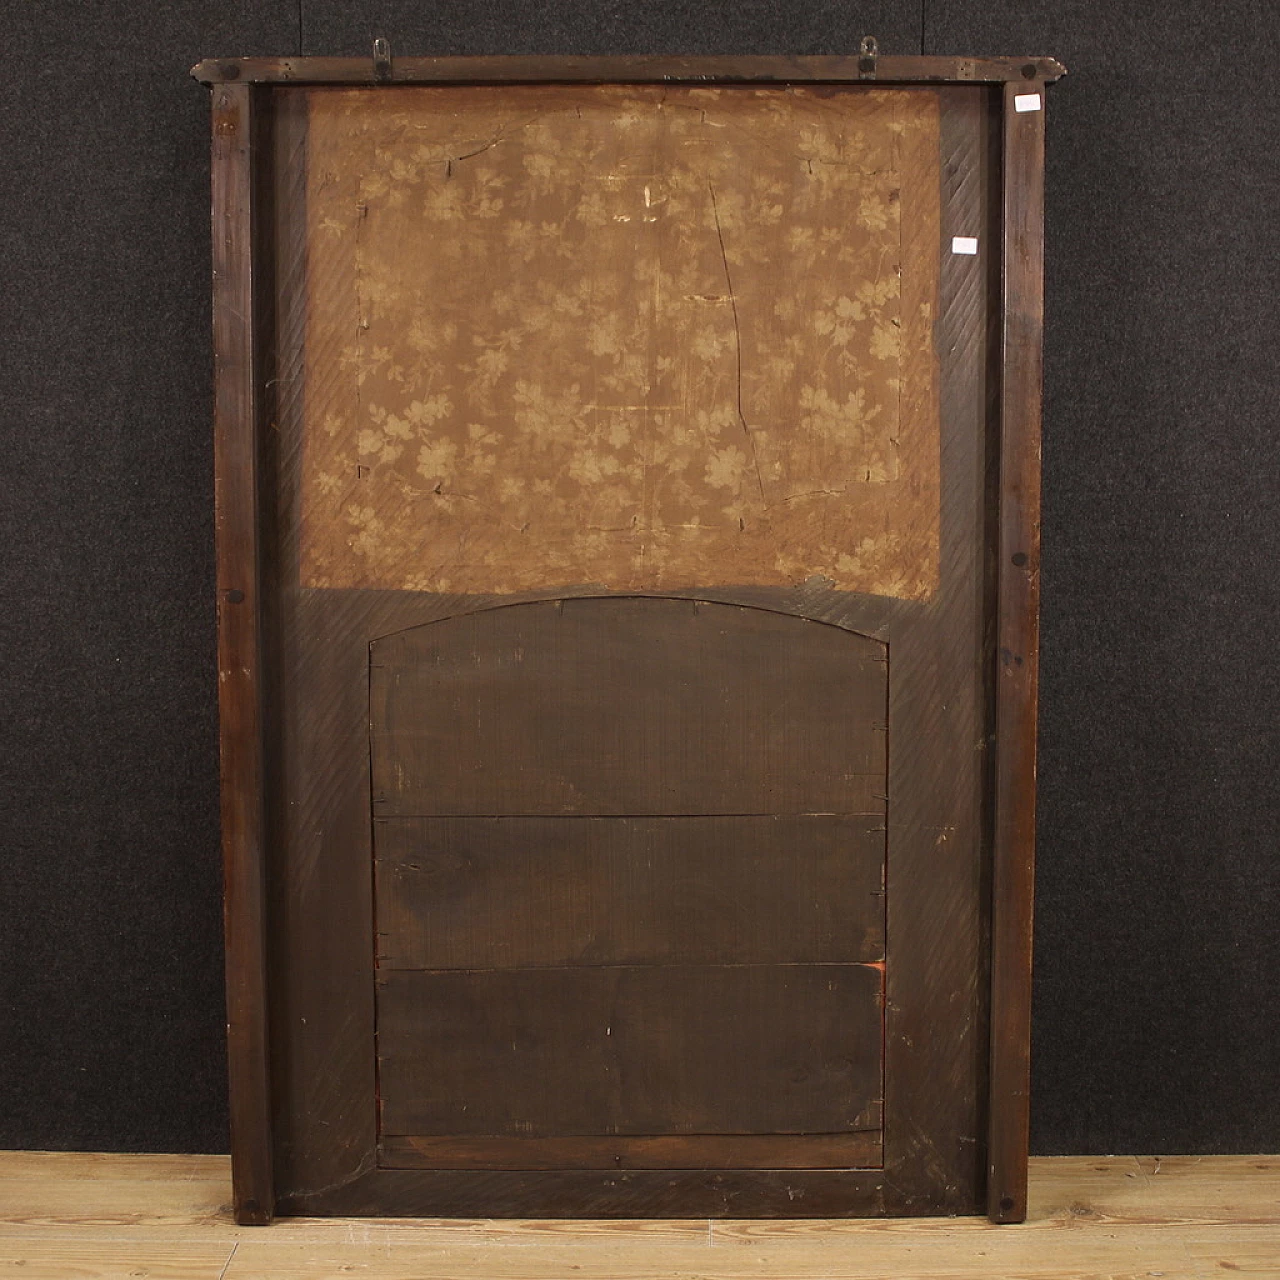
[
  {"x": 516, "y": 892},
  {"x": 630, "y": 1050},
  {"x": 627, "y": 706}
]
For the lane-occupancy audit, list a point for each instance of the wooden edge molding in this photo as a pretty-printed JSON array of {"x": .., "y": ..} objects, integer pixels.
[
  {"x": 856, "y": 1149},
  {"x": 236, "y": 412},
  {"x": 1017, "y": 647},
  {"x": 557, "y": 69}
]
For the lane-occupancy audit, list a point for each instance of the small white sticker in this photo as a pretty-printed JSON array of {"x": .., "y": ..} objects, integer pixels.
[
  {"x": 1026, "y": 102},
  {"x": 964, "y": 244}
]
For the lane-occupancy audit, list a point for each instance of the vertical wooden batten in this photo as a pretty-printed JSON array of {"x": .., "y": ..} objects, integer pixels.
[
  {"x": 236, "y": 413},
  {"x": 1017, "y": 651}
]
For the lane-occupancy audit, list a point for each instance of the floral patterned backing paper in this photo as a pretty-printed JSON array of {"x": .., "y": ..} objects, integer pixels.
[{"x": 644, "y": 337}]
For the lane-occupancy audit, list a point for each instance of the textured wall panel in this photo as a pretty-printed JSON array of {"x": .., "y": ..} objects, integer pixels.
[
  {"x": 1158, "y": 885},
  {"x": 1158, "y": 955},
  {"x": 110, "y": 943},
  {"x": 586, "y": 27}
]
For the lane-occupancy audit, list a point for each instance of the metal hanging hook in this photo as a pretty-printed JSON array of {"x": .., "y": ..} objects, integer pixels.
[
  {"x": 868, "y": 52},
  {"x": 381, "y": 59}
]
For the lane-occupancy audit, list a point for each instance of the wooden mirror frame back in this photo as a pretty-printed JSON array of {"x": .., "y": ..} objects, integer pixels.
[{"x": 242, "y": 92}]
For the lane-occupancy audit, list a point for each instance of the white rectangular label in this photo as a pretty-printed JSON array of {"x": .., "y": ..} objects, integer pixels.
[
  {"x": 964, "y": 244},
  {"x": 1026, "y": 102}
]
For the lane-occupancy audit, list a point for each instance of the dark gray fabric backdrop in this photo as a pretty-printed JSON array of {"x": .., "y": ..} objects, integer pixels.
[{"x": 1158, "y": 970}]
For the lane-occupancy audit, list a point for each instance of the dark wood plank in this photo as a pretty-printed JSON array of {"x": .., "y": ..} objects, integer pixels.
[
  {"x": 935, "y": 873},
  {"x": 627, "y": 706},
  {"x": 640, "y": 1051},
  {"x": 633, "y": 69},
  {"x": 1013, "y": 869},
  {"x": 935, "y": 931},
  {"x": 236, "y": 412},
  {"x": 320, "y": 882},
  {"x": 457, "y": 893},
  {"x": 619, "y": 1193},
  {"x": 702, "y": 1151}
]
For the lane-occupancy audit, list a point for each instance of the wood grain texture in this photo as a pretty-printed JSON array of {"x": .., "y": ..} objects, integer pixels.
[
  {"x": 516, "y": 892},
  {"x": 1013, "y": 857},
  {"x": 935, "y": 900},
  {"x": 622, "y": 706},
  {"x": 604, "y": 1194},
  {"x": 113, "y": 1216},
  {"x": 638, "y": 1050},
  {"x": 94, "y": 1260},
  {"x": 859, "y": 1149},
  {"x": 87, "y": 1166},
  {"x": 320, "y": 901},
  {"x": 328, "y": 1140},
  {"x": 627, "y": 706},
  {"x": 118, "y": 1197},
  {"x": 237, "y": 254},
  {"x": 321, "y": 891},
  {"x": 559, "y": 69}
]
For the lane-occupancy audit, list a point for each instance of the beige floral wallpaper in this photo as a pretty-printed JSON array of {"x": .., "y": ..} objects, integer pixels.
[{"x": 636, "y": 336}]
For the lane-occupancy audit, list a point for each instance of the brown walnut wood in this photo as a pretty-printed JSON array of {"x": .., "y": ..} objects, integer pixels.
[
  {"x": 294, "y": 666},
  {"x": 1013, "y": 872},
  {"x": 560, "y": 70},
  {"x": 456, "y": 892},
  {"x": 857, "y": 1149},
  {"x": 536, "y": 722},
  {"x": 236, "y": 255}
]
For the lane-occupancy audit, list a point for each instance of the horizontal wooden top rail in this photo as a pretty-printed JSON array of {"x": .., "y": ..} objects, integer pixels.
[{"x": 775, "y": 69}]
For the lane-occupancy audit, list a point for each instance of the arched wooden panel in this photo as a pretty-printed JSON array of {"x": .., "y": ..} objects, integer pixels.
[
  {"x": 630, "y": 870},
  {"x": 628, "y": 706}
]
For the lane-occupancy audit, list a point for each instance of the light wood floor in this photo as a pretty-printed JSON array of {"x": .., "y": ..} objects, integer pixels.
[{"x": 65, "y": 1216}]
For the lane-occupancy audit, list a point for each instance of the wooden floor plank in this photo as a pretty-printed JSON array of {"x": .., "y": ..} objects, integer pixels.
[
  {"x": 972, "y": 1255},
  {"x": 137, "y": 1207},
  {"x": 34, "y": 1259},
  {"x": 98, "y": 1217},
  {"x": 29, "y": 1166}
]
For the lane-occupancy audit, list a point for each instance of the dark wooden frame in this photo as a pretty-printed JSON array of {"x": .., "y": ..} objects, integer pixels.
[
  {"x": 237, "y": 331},
  {"x": 242, "y": 89}
]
